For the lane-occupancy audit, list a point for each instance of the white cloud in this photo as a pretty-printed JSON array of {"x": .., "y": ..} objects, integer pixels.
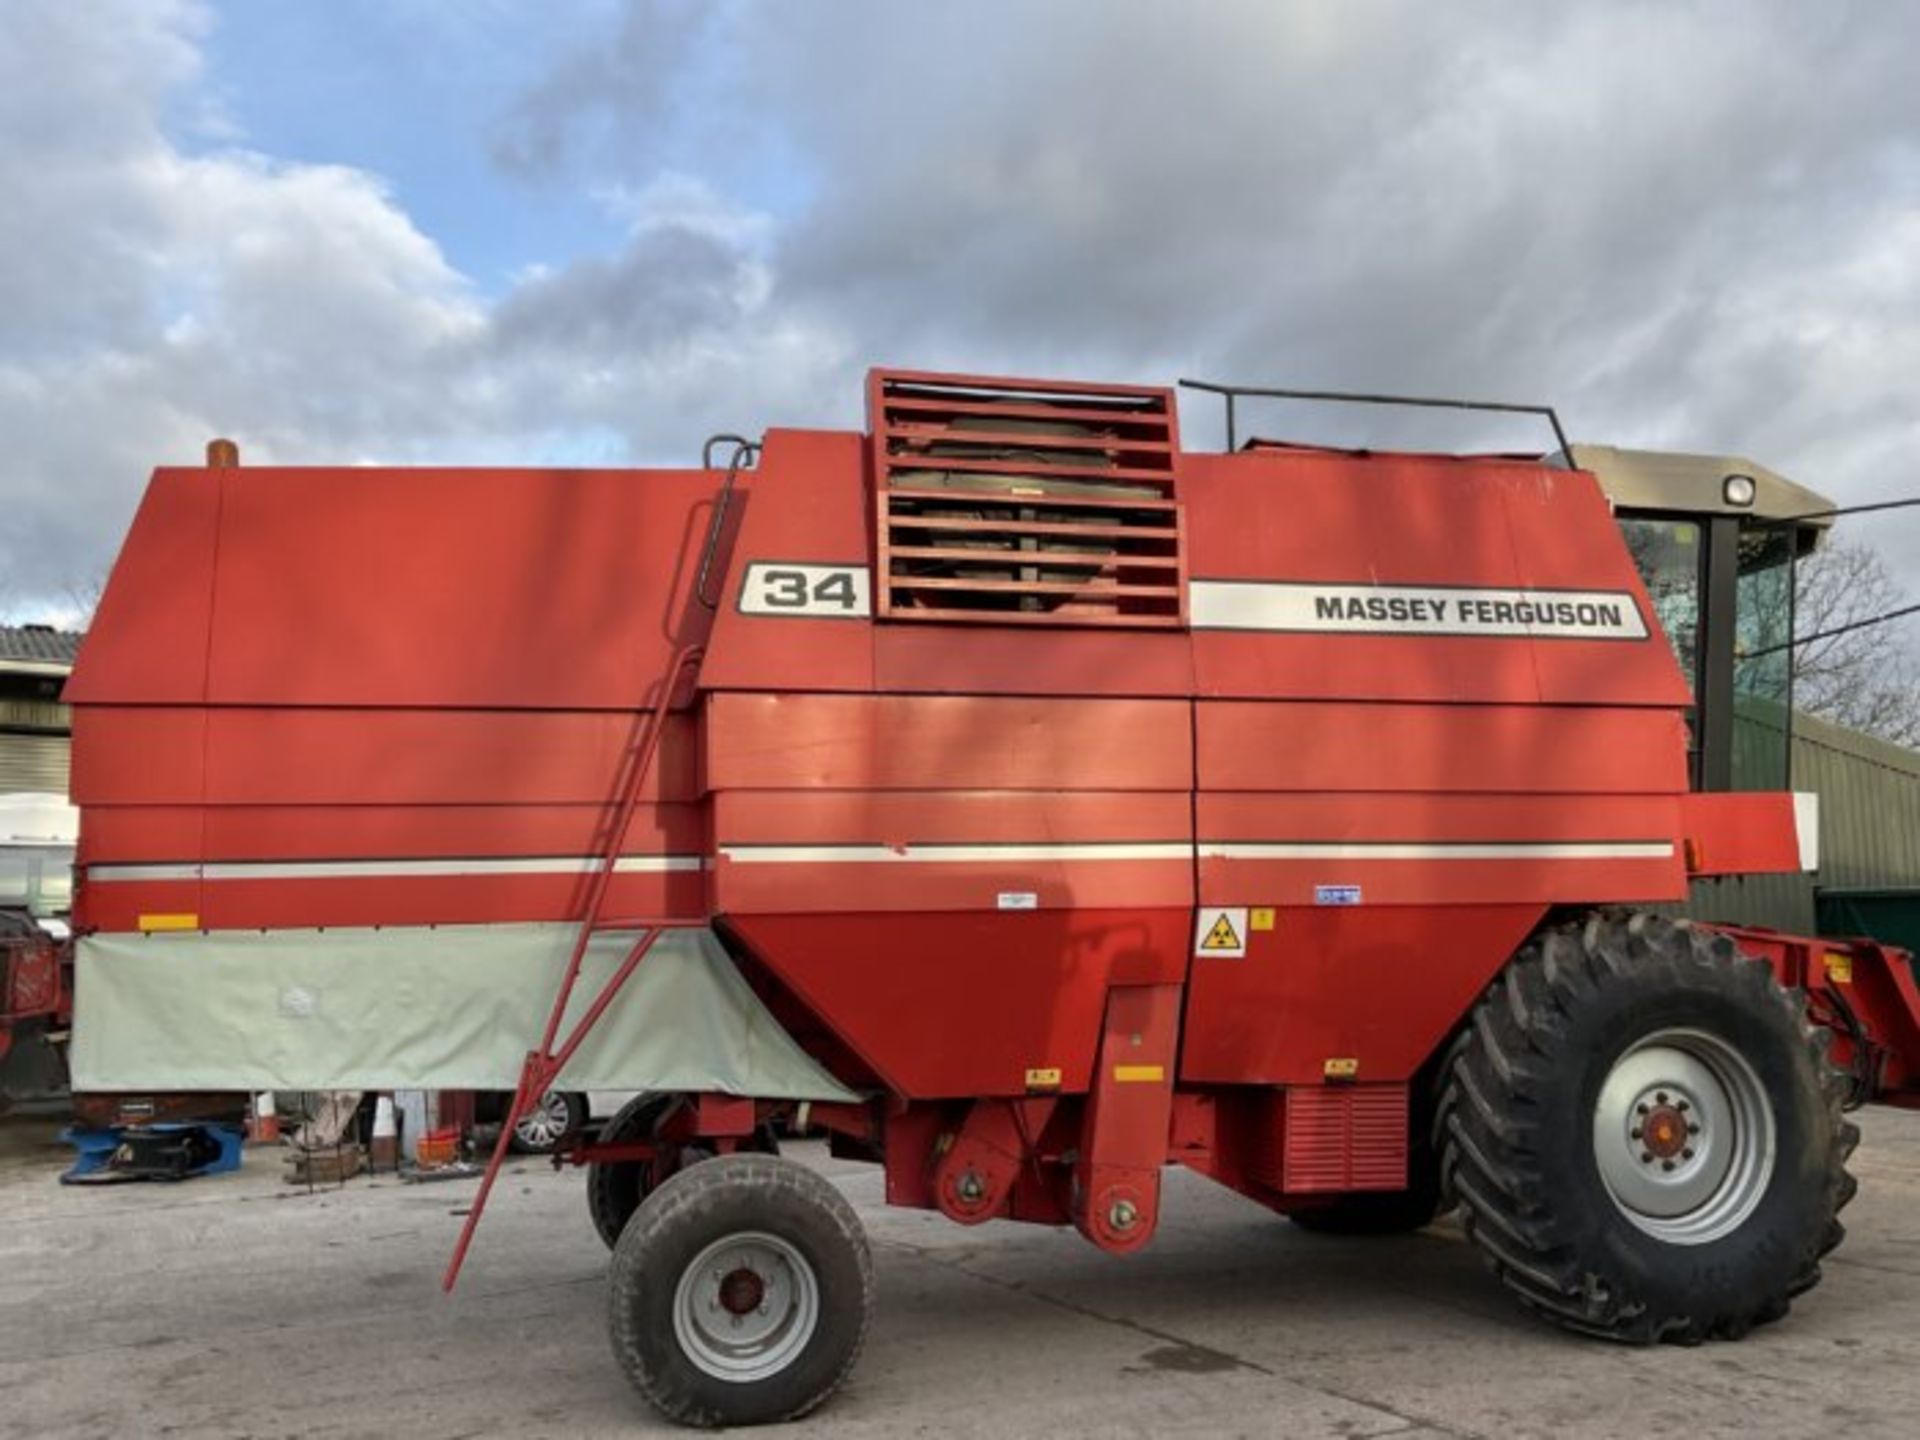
[
  {"x": 1685, "y": 224},
  {"x": 156, "y": 297}
]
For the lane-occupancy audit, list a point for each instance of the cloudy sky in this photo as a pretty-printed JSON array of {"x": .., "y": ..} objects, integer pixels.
[{"x": 502, "y": 233}]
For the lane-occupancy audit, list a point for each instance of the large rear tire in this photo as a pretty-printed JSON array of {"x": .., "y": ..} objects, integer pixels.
[
  {"x": 1645, "y": 1134},
  {"x": 741, "y": 1292}
]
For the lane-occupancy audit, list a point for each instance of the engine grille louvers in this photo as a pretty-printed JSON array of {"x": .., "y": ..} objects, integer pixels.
[{"x": 1024, "y": 502}]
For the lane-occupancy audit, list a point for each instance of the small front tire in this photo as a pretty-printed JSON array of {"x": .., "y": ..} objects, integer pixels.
[{"x": 741, "y": 1292}]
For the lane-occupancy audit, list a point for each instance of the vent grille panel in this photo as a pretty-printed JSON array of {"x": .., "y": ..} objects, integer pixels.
[{"x": 1025, "y": 502}]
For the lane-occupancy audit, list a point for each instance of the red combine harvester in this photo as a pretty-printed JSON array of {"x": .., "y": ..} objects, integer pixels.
[{"x": 1027, "y": 802}]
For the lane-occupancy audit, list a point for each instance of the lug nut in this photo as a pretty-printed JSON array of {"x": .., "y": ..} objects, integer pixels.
[
  {"x": 1644, "y": 1109},
  {"x": 1646, "y": 1157},
  {"x": 1693, "y": 1129},
  {"x": 1659, "y": 1097},
  {"x": 1636, "y": 1133},
  {"x": 1682, "y": 1106},
  {"x": 1687, "y": 1154},
  {"x": 1666, "y": 1165}
]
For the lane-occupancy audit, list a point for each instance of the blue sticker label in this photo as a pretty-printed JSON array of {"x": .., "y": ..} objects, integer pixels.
[{"x": 1336, "y": 894}]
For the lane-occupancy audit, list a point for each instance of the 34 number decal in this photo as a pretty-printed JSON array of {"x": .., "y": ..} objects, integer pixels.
[{"x": 776, "y": 588}]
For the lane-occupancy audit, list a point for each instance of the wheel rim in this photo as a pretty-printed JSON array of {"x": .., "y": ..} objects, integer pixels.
[
  {"x": 1683, "y": 1133},
  {"x": 546, "y": 1123},
  {"x": 746, "y": 1307}
]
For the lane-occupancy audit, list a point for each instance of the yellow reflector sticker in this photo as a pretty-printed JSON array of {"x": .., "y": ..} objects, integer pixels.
[
  {"x": 1130, "y": 1074},
  {"x": 1260, "y": 918},
  {"x": 1839, "y": 967},
  {"x": 1344, "y": 1068},
  {"x": 1046, "y": 1077},
  {"x": 169, "y": 922}
]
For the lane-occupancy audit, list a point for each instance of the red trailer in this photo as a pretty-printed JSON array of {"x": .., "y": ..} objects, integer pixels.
[{"x": 1028, "y": 801}]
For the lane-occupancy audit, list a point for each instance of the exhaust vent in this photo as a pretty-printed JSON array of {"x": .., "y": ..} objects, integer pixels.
[{"x": 1025, "y": 502}]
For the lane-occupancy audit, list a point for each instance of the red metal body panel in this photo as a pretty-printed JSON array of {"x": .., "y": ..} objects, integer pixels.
[
  {"x": 1439, "y": 749},
  {"x": 1741, "y": 834},
  {"x": 1380, "y": 985},
  {"x": 943, "y": 1005},
  {"x": 253, "y": 755},
  {"x": 796, "y": 852},
  {"x": 805, "y": 501},
  {"x": 355, "y": 899},
  {"x": 1436, "y": 849},
  {"x": 1427, "y": 520},
  {"x": 892, "y": 742},
  {"x": 575, "y": 575},
  {"x": 1033, "y": 662},
  {"x": 148, "y": 637}
]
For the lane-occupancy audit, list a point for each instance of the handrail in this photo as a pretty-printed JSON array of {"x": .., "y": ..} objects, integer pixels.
[{"x": 744, "y": 453}]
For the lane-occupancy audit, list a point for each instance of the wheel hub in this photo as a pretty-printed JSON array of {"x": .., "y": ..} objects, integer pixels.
[
  {"x": 1683, "y": 1136},
  {"x": 742, "y": 1291},
  {"x": 1664, "y": 1131},
  {"x": 746, "y": 1307}
]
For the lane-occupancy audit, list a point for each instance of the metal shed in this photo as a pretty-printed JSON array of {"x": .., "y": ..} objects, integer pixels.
[{"x": 35, "y": 728}]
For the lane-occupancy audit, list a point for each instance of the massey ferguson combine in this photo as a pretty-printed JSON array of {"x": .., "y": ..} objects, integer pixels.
[{"x": 1026, "y": 802}]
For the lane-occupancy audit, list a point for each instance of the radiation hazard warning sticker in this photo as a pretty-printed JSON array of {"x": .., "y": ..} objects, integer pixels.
[{"x": 1221, "y": 934}]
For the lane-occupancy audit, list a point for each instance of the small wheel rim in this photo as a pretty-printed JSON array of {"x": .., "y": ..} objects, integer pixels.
[
  {"x": 1684, "y": 1136},
  {"x": 546, "y": 1123},
  {"x": 746, "y": 1307}
]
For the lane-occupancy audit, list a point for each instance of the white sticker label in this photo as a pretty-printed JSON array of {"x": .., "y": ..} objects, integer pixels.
[
  {"x": 1220, "y": 934},
  {"x": 775, "y": 587},
  {"x": 1019, "y": 900},
  {"x": 1415, "y": 610}
]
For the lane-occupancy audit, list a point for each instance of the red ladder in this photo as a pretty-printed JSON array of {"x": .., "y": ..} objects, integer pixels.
[{"x": 542, "y": 1067}]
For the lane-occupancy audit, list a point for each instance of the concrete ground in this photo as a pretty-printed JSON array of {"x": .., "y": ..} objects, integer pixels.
[{"x": 237, "y": 1306}]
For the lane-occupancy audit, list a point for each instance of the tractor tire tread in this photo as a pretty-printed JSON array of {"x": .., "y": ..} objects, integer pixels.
[
  {"x": 771, "y": 1193},
  {"x": 1491, "y": 1166}
]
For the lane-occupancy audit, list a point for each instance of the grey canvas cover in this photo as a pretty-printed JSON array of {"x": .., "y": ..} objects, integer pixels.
[{"x": 452, "y": 1007}]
